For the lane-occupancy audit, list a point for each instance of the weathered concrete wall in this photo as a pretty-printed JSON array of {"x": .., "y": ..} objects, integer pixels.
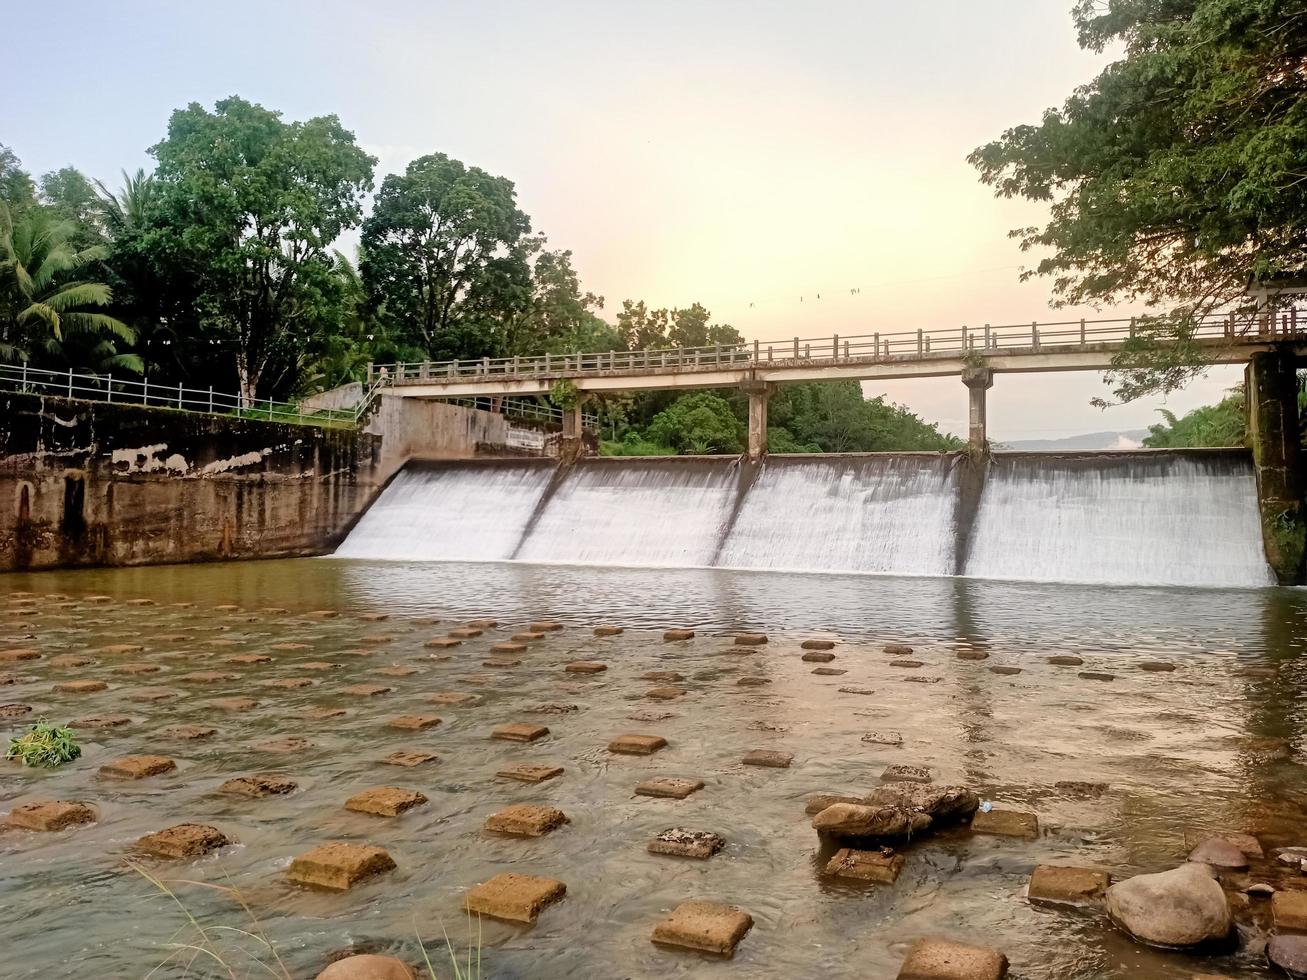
[
  {"x": 85, "y": 483},
  {"x": 1271, "y": 395}
]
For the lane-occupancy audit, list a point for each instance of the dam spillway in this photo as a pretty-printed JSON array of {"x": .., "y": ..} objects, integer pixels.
[{"x": 1141, "y": 518}]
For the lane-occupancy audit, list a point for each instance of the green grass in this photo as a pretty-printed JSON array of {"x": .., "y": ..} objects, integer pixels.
[{"x": 45, "y": 746}]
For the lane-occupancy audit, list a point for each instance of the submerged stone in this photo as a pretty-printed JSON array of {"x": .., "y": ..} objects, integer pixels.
[
  {"x": 1077, "y": 787},
  {"x": 881, "y": 866},
  {"x": 51, "y": 815},
  {"x": 818, "y": 657},
  {"x": 453, "y": 697},
  {"x": 585, "y": 667},
  {"x": 663, "y": 676},
  {"x": 883, "y": 738},
  {"x": 828, "y": 671},
  {"x": 668, "y": 787},
  {"x": 258, "y": 786},
  {"x": 1157, "y": 666},
  {"x": 898, "y": 649},
  {"x": 530, "y": 774},
  {"x": 608, "y": 631},
  {"x": 637, "y": 744},
  {"x": 71, "y": 660},
  {"x": 188, "y": 733},
  {"x": 678, "y": 842},
  {"x": 909, "y": 664},
  {"x": 753, "y": 681},
  {"x": 509, "y": 647},
  {"x": 1289, "y": 909},
  {"x": 17, "y": 711},
  {"x": 665, "y": 693},
  {"x": 385, "y": 801},
  {"x": 817, "y": 645},
  {"x": 545, "y": 626},
  {"x": 971, "y": 655},
  {"x": 339, "y": 866},
  {"x": 80, "y": 687},
  {"x": 750, "y": 639},
  {"x": 291, "y": 743},
  {"x": 1219, "y": 853},
  {"x": 941, "y": 803},
  {"x": 678, "y": 634},
  {"x": 413, "y": 722},
  {"x": 442, "y": 643},
  {"x": 1096, "y": 675},
  {"x": 864, "y": 820},
  {"x": 768, "y": 758},
  {"x": 183, "y": 841},
  {"x": 905, "y": 774},
  {"x": 368, "y": 966},
  {"x": 941, "y": 959},
  {"x": 1181, "y": 907},
  {"x": 857, "y": 690},
  {"x": 1004, "y": 669},
  {"x": 519, "y": 732},
  {"x": 705, "y": 927},
  {"x": 137, "y": 766},
  {"x": 1005, "y": 823},
  {"x": 1065, "y": 660},
  {"x": 409, "y": 758},
  {"x": 366, "y": 690},
  {"x": 554, "y": 708},
  {"x": 514, "y": 897},
  {"x": 817, "y": 802},
  {"x": 97, "y": 721},
  {"x": 525, "y": 820},
  {"x": 1074, "y": 886}
]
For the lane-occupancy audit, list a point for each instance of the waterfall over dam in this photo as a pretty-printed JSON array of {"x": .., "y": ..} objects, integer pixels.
[{"x": 1164, "y": 518}]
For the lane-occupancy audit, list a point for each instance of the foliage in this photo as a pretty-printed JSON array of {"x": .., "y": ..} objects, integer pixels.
[
  {"x": 835, "y": 417},
  {"x": 1175, "y": 177},
  {"x": 445, "y": 257},
  {"x": 648, "y": 329},
  {"x": 633, "y": 444},
  {"x": 45, "y": 746},
  {"x": 1223, "y": 424},
  {"x": 564, "y": 394},
  {"x": 17, "y": 192},
  {"x": 248, "y": 206},
  {"x": 47, "y": 304},
  {"x": 701, "y": 423}
]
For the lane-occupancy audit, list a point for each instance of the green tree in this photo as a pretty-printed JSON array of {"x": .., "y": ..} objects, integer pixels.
[
  {"x": 690, "y": 328},
  {"x": 1211, "y": 426},
  {"x": 50, "y": 312},
  {"x": 837, "y": 418},
  {"x": 643, "y": 328},
  {"x": 447, "y": 257},
  {"x": 1175, "y": 178},
  {"x": 17, "y": 192},
  {"x": 701, "y": 423},
  {"x": 560, "y": 318},
  {"x": 248, "y": 206},
  {"x": 71, "y": 197}
]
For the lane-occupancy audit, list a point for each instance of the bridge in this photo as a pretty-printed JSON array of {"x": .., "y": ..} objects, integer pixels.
[{"x": 973, "y": 354}]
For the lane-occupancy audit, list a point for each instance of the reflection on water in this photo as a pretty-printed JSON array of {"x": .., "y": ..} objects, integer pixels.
[{"x": 1192, "y": 751}]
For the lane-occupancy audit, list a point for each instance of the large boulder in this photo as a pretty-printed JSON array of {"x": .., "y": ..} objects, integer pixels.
[
  {"x": 367, "y": 966},
  {"x": 863, "y": 820},
  {"x": 940, "y": 802},
  {"x": 1182, "y": 907},
  {"x": 1289, "y": 953}
]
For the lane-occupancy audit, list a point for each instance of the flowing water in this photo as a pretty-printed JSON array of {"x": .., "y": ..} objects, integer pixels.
[{"x": 1214, "y": 746}]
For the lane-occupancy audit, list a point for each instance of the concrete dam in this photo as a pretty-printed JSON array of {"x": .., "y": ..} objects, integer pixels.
[{"x": 1137, "y": 518}]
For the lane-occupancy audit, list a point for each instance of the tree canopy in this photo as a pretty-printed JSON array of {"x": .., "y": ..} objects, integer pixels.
[{"x": 1176, "y": 177}]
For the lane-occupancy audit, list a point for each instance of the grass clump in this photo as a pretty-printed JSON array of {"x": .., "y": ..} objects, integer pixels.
[{"x": 45, "y": 746}]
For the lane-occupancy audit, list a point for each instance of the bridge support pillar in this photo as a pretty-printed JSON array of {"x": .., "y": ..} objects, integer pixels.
[
  {"x": 1271, "y": 395},
  {"x": 573, "y": 446},
  {"x": 978, "y": 382},
  {"x": 759, "y": 392}
]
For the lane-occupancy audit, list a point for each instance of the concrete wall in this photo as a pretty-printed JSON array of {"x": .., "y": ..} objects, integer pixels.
[{"x": 85, "y": 483}]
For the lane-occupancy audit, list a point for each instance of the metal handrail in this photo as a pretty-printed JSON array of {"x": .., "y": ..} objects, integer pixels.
[
  {"x": 1033, "y": 337},
  {"x": 520, "y": 408}
]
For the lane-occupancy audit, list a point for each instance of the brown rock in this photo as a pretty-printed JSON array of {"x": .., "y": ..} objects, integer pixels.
[
  {"x": 1075, "y": 886},
  {"x": 321, "y": 714},
  {"x": 131, "y": 669},
  {"x": 189, "y": 733},
  {"x": 13, "y": 656},
  {"x": 464, "y": 633},
  {"x": 373, "y": 617},
  {"x": 750, "y": 639},
  {"x": 753, "y": 680},
  {"x": 376, "y": 640},
  {"x": 940, "y": 802},
  {"x": 671, "y": 635},
  {"x": 69, "y": 660},
  {"x": 883, "y": 738},
  {"x": 817, "y": 645},
  {"x": 413, "y": 722},
  {"x": 663, "y": 676},
  {"x": 905, "y": 774},
  {"x": 668, "y": 787},
  {"x": 553, "y": 708},
  {"x": 397, "y": 670},
  {"x": 1004, "y": 669},
  {"x": 453, "y": 697},
  {"x": 1077, "y": 787},
  {"x": 545, "y": 626},
  {"x": 530, "y": 774},
  {"x": 1219, "y": 853},
  {"x": 99, "y": 721},
  {"x": 321, "y": 614},
  {"x": 1289, "y": 909},
  {"x": 183, "y": 841},
  {"x": 526, "y": 637},
  {"x": 150, "y": 695},
  {"x": 863, "y": 820},
  {"x": 442, "y": 643},
  {"x": 368, "y": 966},
  {"x": 898, "y": 649},
  {"x": 482, "y": 624},
  {"x": 608, "y": 631},
  {"x": 409, "y": 758},
  {"x": 1063, "y": 660},
  {"x": 207, "y": 677},
  {"x": 366, "y": 690},
  {"x": 940, "y": 959},
  {"x": 772, "y": 760},
  {"x": 137, "y": 766},
  {"x": 519, "y": 732},
  {"x": 678, "y": 842},
  {"x": 665, "y": 693},
  {"x": 525, "y": 820},
  {"x": 704, "y": 927},
  {"x": 1005, "y": 823},
  {"x": 288, "y": 683},
  {"x": 80, "y": 687},
  {"x": 881, "y": 866},
  {"x": 637, "y": 744},
  {"x": 585, "y": 667},
  {"x": 258, "y": 786},
  {"x": 291, "y": 743},
  {"x": 828, "y": 671},
  {"x": 122, "y": 648},
  {"x": 514, "y": 897},
  {"x": 385, "y": 801},
  {"x": 1157, "y": 666},
  {"x": 50, "y": 815},
  {"x": 509, "y": 647},
  {"x": 971, "y": 654},
  {"x": 339, "y": 866},
  {"x": 248, "y": 658},
  {"x": 910, "y": 664},
  {"x": 818, "y": 657},
  {"x": 817, "y": 802},
  {"x": 1095, "y": 675},
  {"x": 17, "y": 711},
  {"x": 234, "y": 704},
  {"x": 501, "y": 663}
]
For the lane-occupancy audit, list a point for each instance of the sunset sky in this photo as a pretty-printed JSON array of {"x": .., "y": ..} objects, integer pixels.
[{"x": 750, "y": 156}]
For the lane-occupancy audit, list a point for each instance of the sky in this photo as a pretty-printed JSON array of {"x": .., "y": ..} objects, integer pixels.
[{"x": 762, "y": 158}]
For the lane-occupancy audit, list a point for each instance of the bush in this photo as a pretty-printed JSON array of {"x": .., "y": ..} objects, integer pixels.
[{"x": 46, "y": 746}]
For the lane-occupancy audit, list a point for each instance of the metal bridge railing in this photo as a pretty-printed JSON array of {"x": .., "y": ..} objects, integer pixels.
[{"x": 900, "y": 346}]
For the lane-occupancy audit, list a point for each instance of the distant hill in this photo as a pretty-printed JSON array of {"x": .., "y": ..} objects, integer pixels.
[{"x": 1131, "y": 439}]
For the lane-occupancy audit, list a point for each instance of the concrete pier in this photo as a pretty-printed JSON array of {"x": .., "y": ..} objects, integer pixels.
[
  {"x": 1274, "y": 429},
  {"x": 978, "y": 382},
  {"x": 759, "y": 393}
]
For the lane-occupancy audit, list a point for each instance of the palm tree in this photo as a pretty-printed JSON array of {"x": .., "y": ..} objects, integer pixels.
[
  {"x": 127, "y": 210},
  {"x": 43, "y": 302}
]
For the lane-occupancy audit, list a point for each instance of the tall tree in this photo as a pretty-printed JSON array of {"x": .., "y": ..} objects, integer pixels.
[
  {"x": 446, "y": 257},
  {"x": 1176, "y": 177},
  {"x": 71, "y": 197},
  {"x": 17, "y": 192},
  {"x": 248, "y": 207}
]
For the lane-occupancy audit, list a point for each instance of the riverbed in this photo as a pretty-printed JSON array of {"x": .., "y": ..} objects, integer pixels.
[{"x": 1209, "y": 747}]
